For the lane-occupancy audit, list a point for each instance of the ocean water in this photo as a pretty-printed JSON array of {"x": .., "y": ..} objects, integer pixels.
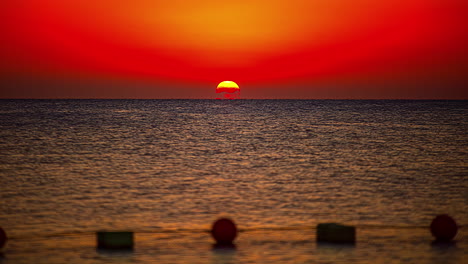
[{"x": 166, "y": 169}]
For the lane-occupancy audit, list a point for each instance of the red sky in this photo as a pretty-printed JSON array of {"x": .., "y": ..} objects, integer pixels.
[{"x": 272, "y": 49}]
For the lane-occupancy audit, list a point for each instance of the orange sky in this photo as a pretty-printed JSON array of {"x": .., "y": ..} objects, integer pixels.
[{"x": 272, "y": 49}]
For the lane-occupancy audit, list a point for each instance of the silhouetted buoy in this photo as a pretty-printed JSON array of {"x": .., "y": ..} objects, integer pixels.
[
  {"x": 224, "y": 231},
  {"x": 336, "y": 233},
  {"x": 114, "y": 240},
  {"x": 3, "y": 238},
  {"x": 444, "y": 228}
]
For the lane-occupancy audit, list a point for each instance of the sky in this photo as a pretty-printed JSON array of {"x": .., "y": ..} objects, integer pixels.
[{"x": 300, "y": 49}]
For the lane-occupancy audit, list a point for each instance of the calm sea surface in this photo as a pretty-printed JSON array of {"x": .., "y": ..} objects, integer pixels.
[{"x": 166, "y": 169}]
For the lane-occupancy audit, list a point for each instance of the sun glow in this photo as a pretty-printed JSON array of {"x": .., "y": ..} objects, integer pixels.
[{"x": 325, "y": 49}]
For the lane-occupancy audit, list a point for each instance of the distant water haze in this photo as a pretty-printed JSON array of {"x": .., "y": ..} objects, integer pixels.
[{"x": 72, "y": 166}]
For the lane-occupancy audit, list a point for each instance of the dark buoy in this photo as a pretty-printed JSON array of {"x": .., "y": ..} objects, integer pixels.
[
  {"x": 3, "y": 238},
  {"x": 444, "y": 228},
  {"x": 336, "y": 233},
  {"x": 114, "y": 240},
  {"x": 224, "y": 231}
]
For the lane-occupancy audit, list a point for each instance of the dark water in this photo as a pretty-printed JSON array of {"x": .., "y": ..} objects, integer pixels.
[{"x": 160, "y": 166}]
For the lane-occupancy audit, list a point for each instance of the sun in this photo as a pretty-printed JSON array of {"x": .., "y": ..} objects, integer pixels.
[
  {"x": 229, "y": 90},
  {"x": 228, "y": 84}
]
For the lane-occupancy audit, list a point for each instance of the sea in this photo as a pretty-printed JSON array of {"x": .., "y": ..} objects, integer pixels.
[{"x": 167, "y": 169}]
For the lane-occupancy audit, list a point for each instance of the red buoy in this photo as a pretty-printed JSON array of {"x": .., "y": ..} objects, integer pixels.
[
  {"x": 224, "y": 231},
  {"x": 444, "y": 228},
  {"x": 3, "y": 238}
]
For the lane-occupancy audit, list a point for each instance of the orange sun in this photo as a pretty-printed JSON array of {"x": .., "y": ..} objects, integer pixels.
[{"x": 229, "y": 90}]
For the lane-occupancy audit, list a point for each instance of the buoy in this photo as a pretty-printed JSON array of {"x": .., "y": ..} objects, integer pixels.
[
  {"x": 444, "y": 228},
  {"x": 336, "y": 233},
  {"x": 3, "y": 238},
  {"x": 224, "y": 231},
  {"x": 114, "y": 240}
]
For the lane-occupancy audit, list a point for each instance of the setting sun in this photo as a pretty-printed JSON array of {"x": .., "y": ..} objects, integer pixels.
[
  {"x": 228, "y": 84},
  {"x": 229, "y": 89}
]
